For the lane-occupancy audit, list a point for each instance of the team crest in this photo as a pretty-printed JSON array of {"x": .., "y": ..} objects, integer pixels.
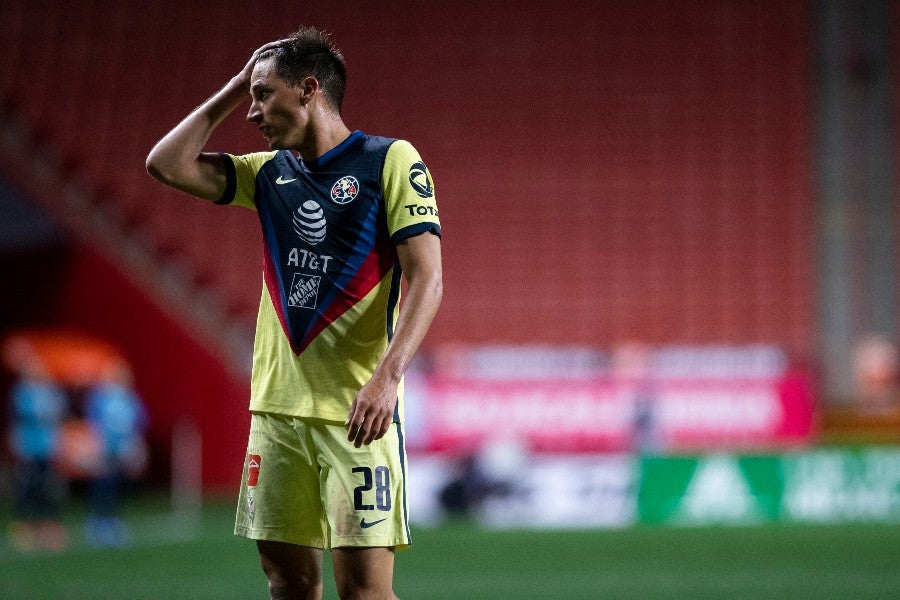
[
  {"x": 253, "y": 463},
  {"x": 345, "y": 189},
  {"x": 420, "y": 180}
]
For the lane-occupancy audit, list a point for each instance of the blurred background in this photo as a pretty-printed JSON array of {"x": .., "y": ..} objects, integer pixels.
[{"x": 670, "y": 250}]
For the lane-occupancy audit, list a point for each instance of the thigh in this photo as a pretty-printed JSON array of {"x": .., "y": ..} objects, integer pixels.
[
  {"x": 280, "y": 499},
  {"x": 364, "y": 489},
  {"x": 364, "y": 569}
]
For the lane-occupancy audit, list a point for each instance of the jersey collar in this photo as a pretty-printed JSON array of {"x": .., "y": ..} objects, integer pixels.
[{"x": 320, "y": 163}]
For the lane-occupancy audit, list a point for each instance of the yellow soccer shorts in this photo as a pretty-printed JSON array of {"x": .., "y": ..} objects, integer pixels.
[{"x": 305, "y": 484}]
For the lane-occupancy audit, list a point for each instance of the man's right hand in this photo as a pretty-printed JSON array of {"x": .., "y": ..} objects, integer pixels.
[
  {"x": 179, "y": 160},
  {"x": 246, "y": 73}
]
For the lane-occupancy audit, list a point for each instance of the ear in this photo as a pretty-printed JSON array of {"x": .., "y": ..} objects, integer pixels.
[{"x": 307, "y": 88}]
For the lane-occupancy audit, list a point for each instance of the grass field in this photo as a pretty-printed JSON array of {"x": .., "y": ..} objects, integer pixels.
[{"x": 171, "y": 560}]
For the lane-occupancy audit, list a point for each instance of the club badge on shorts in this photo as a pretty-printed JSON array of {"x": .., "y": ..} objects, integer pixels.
[{"x": 253, "y": 464}]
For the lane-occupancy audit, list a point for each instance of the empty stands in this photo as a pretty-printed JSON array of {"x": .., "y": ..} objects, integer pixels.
[{"x": 606, "y": 172}]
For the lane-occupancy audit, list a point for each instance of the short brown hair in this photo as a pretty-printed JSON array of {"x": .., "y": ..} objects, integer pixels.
[{"x": 310, "y": 51}]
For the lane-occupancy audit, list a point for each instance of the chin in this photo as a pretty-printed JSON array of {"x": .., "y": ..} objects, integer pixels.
[{"x": 272, "y": 143}]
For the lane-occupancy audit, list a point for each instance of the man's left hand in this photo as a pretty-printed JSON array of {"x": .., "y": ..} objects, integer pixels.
[{"x": 372, "y": 412}]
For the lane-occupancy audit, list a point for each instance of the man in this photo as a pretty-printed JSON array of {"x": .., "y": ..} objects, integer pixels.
[
  {"x": 341, "y": 219},
  {"x": 118, "y": 418},
  {"x": 39, "y": 408}
]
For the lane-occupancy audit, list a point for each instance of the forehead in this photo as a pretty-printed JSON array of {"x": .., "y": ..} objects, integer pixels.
[{"x": 264, "y": 74}]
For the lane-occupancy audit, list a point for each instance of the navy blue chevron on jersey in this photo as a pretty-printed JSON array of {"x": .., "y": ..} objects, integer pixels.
[
  {"x": 325, "y": 231},
  {"x": 330, "y": 267}
]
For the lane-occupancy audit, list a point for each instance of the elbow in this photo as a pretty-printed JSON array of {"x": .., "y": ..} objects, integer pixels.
[
  {"x": 153, "y": 166},
  {"x": 157, "y": 168},
  {"x": 165, "y": 166}
]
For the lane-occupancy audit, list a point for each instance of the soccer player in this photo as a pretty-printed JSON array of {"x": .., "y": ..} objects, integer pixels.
[{"x": 343, "y": 214}]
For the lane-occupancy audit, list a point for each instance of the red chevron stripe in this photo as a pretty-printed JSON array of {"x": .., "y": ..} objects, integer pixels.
[
  {"x": 377, "y": 264},
  {"x": 271, "y": 280}
]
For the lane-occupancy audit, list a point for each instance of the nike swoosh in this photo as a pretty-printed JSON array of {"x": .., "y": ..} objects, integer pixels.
[
  {"x": 281, "y": 180},
  {"x": 365, "y": 524}
]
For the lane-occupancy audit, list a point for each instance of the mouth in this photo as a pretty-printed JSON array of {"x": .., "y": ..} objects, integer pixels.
[{"x": 266, "y": 131}]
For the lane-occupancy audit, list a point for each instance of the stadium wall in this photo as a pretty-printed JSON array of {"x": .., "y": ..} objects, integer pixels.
[
  {"x": 178, "y": 377},
  {"x": 606, "y": 172}
]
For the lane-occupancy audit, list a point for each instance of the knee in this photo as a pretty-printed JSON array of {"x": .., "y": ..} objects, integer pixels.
[
  {"x": 351, "y": 592},
  {"x": 354, "y": 589},
  {"x": 291, "y": 586},
  {"x": 293, "y": 571},
  {"x": 364, "y": 573}
]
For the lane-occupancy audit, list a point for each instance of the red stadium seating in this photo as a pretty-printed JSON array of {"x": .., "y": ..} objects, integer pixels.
[{"x": 615, "y": 172}]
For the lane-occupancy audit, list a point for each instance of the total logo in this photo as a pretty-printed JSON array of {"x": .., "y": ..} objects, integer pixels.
[
  {"x": 345, "y": 189},
  {"x": 420, "y": 180},
  {"x": 309, "y": 222}
]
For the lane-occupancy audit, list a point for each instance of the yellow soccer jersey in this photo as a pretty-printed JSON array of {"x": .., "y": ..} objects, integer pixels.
[{"x": 331, "y": 277}]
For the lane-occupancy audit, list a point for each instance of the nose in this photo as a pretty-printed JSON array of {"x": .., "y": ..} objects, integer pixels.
[{"x": 254, "y": 115}]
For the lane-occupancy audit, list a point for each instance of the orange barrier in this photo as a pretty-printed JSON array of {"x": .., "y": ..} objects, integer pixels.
[{"x": 69, "y": 357}]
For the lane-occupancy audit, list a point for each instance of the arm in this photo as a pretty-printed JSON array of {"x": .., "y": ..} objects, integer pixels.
[
  {"x": 373, "y": 409},
  {"x": 178, "y": 159}
]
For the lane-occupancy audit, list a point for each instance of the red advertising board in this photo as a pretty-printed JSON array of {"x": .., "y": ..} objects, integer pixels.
[{"x": 606, "y": 413}]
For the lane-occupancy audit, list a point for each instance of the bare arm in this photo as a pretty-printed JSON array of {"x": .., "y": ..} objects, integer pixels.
[
  {"x": 178, "y": 159},
  {"x": 373, "y": 409}
]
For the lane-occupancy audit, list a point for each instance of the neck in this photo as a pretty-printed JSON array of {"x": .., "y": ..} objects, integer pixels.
[{"x": 324, "y": 133}]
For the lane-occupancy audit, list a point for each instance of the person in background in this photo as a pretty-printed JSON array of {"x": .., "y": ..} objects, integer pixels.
[
  {"x": 116, "y": 414},
  {"x": 876, "y": 365},
  {"x": 39, "y": 407}
]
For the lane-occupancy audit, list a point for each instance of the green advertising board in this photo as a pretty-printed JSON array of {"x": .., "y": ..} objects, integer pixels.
[
  {"x": 827, "y": 485},
  {"x": 717, "y": 488},
  {"x": 842, "y": 485}
]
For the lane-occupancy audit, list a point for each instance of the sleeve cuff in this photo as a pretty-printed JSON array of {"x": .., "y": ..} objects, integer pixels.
[
  {"x": 230, "y": 180},
  {"x": 414, "y": 230}
]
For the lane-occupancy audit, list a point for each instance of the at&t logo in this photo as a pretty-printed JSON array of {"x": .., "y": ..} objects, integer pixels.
[{"x": 309, "y": 222}]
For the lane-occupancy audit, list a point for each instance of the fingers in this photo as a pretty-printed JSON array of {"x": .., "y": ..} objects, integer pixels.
[
  {"x": 377, "y": 431},
  {"x": 268, "y": 46},
  {"x": 353, "y": 422},
  {"x": 371, "y": 413},
  {"x": 248, "y": 68},
  {"x": 365, "y": 428},
  {"x": 356, "y": 425}
]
